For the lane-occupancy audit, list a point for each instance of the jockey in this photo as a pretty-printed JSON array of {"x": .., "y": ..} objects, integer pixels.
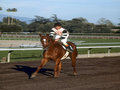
[{"x": 61, "y": 34}]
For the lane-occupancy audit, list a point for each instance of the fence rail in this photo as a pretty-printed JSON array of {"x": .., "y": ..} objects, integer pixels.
[
  {"x": 89, "y": 49},
  {"x": 36, "y": 33}
]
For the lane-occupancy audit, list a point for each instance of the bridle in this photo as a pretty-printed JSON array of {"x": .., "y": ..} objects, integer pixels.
[{"x": 45, "y": 41}]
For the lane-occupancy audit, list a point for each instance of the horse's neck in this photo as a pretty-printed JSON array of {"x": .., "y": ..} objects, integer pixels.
[{"x": 53, "y": 43}]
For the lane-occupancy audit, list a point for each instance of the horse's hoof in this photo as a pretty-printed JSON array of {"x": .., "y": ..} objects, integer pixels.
[
  {"x": 32, "y": 76},
  {"x": 75, "y": 74},
  {"x": 56, "y": 76}
]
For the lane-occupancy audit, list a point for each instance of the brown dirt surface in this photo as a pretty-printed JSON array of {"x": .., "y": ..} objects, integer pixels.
[{"x": 93, "y": 74}]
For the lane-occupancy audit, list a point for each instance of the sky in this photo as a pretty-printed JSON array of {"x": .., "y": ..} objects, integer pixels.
[{"x": 92, "y": 10}]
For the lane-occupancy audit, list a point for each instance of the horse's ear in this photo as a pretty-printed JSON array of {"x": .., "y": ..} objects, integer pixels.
[{"x": 47, "y": 34}]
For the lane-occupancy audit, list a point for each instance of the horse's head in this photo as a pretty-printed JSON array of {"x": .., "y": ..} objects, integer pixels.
[{"x": 45, "y": 40}]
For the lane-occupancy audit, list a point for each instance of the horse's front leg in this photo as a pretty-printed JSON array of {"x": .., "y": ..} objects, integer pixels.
[
  {"x": 57, "y": 68},
  {"x": 43, "y": 62}
]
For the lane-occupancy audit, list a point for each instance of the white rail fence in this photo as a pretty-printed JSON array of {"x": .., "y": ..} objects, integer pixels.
[{"x": 88, "y": 52}]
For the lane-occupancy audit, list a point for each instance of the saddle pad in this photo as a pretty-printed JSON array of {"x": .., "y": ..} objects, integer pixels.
[{"x": 65, "y": 56}]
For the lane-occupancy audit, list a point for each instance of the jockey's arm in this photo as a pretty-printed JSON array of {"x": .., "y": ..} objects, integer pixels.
[
  {"x": 52, "y": 33},
  {"x": 65, "y": 34}
]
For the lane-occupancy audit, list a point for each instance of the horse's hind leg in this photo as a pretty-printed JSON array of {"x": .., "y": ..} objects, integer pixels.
[
  {"x": 43, "y": 62},
  {"x": 73, "y": 58},
  {"x": 59, "y": 68},
  {"x": 74, "y": 65}
]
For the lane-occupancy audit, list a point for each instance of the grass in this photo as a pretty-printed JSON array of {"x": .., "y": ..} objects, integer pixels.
[{"x": 22, "y": 55}]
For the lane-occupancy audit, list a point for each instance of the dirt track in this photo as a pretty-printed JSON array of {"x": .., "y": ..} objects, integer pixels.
[{"x": 93, "y": 74}]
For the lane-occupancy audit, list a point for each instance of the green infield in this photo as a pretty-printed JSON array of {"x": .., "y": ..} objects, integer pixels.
[{"x": 23, "y": 55}]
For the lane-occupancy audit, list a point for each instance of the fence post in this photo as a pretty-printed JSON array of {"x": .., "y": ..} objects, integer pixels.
[
  {"x": 109, "y": 49},
  {"x": 8, "y": 58},
  {"x": 89, "y": 50}
]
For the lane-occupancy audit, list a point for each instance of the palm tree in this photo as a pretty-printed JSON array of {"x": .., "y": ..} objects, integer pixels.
[
  {"x": 13, "y": 10},
  {"x": 8, "y": 10}
]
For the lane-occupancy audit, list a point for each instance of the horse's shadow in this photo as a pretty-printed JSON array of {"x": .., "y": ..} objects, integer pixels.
[{"x": 29, "y": 70}]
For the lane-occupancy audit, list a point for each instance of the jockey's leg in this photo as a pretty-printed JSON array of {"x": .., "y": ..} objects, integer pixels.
[{"x": 68, "y": 48}]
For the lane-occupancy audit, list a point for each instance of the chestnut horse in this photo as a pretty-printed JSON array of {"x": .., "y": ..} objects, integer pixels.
[{"x": 54, "y": 51}]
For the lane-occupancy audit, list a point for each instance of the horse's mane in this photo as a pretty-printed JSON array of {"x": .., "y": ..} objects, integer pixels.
[{"x": 55, "y": 42}]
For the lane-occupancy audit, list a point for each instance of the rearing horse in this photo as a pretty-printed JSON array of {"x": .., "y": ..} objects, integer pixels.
[{"x": 54, "y": 51}]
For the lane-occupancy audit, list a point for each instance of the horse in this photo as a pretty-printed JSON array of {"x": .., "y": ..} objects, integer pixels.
[{"x": 54, "y": 51}]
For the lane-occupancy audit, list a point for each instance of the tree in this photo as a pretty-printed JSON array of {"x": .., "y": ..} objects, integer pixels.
[
  {"x": 78, "y": 25},
  {"x": 105, "y": 24},
  {"x": 8, "y": 10},
  {"x": 40, "y": 20},
  {"x": 103, "y": 21},
  {"x": 17, "y": 22},
  {"x": 102, "y": 29},
  {"x": 80, "y": 19},
  {"x": 39, "y": 24},
  {"x": 54, "y": 18},
  {"x": 13, "y": 10},
  {"x": 10, "y": 28},
  {"x": 10, "y": 21}
]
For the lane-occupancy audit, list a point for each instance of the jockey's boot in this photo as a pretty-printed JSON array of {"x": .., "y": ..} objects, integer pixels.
[{"x": 69, "y": 49}]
